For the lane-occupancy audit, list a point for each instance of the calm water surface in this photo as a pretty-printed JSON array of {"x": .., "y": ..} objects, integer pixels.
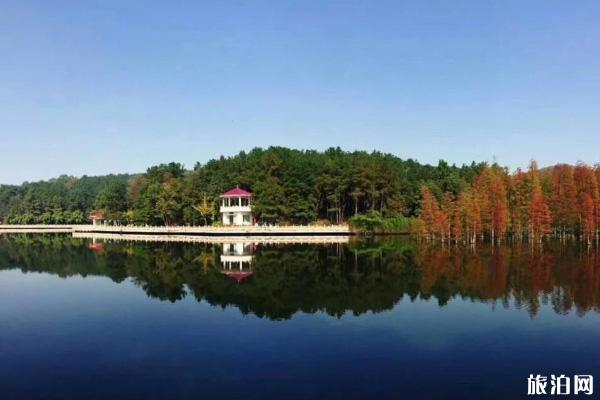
[{"x": 380, "y": 319}]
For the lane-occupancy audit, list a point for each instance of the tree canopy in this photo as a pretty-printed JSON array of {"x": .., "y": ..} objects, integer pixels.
[
  {"x": 289, "y": 186},
  {"x": 306, "y": 186}
]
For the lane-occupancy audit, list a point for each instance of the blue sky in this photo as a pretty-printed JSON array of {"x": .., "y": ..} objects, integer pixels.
[{"x": 94, "y": 87}]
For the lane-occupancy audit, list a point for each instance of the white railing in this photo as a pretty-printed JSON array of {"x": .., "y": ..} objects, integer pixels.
[
  {"x": 266, "y": 239},
  {"x": 214, "y": 229},
  {"x": 235, "y": 209},
  {"x": 37, "y": 228},
  {"x": 237, "y": 230}
]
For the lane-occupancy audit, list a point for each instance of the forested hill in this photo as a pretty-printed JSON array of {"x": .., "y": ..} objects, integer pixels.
[
  {"x": 376, "y": 190},
  {"x": 289, "y": 186},
  {"x": 63, "y": 200}
]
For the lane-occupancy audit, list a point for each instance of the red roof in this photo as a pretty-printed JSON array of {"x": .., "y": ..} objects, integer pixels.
[
  {"x": 97, "y": 215},
  {"x": 237, "y": 192},
  {"x": 238, "y": 276},
  {"x": 96, "y": 247}
]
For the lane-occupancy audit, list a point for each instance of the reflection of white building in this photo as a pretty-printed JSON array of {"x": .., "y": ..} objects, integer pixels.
[
  {"x": 236, "y": 207},
  {"x": 236, "y": 260}
]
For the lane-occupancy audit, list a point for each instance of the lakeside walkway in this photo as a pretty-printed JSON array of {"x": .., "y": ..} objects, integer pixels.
[
  {"x": 207, "y": 231},
  {"x": 36, "y": 228},
  {"x": 250, "y": 230},
  {"x": 288, "y": 239}
]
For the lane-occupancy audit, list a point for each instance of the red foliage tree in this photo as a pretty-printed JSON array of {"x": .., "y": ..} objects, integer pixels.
[
  {"x": 519, "y": 202},
  {"x": 429, "y": 210},
  {"x": 564, "y": 198},
  {"x": 499, "y": 208},
  {"x": 587, "y": 185},
  {"x": 469, "y": 208},
  {"x": 540, "y": 216},
  {"x": 588, "y": 220},
  {"x": 452, "y": 210}
]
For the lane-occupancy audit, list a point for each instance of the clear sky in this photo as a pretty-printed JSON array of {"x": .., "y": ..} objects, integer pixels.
[{"x": 94, "y": 87}]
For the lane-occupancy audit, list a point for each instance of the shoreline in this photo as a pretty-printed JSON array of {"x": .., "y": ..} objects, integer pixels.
[
  {"x": 203, "y": 231},
  {"x": 36, "y": 228},
  {"x": 288, "y": 239}
]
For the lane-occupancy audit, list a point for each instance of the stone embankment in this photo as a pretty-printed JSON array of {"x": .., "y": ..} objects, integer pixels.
[
  {"x": 253, "y": 230},
  {"x": 206, "y": 231},
  {"x": 320, "y": 239},
  {"x": 36, "y": 228}
]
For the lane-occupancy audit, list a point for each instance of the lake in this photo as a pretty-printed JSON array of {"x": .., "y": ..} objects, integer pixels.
[{"x": 384, "y": 318}]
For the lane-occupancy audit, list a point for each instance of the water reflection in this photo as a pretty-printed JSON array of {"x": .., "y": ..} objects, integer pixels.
[
  {"x": 236, "y": 260},
  {"x": 277, "y": 281}
]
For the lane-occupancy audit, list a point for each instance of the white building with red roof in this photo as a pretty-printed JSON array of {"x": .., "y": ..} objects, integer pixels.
[
  {"x": 97, "y": 217},
  {"x": 236, "y": 207}
]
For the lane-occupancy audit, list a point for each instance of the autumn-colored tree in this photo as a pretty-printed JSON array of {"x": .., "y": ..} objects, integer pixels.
[
  {"x": 588, "y": 222},
  {"x": 206, "y": 209},
  {"x": 482, "y": 195},
  {"x": 564, "y": 199},
  {"x": 469, "y": 208},
  {"x": 429, "y": 210},
  {"x": 452, "y": 210},
  {"x": 519, "y": 202},
  {"x": 499, "y": 208},
  {"x": 441, "y": 224},
  {"x": 418, "y": 228},
  {"x": 490, "y": 192},
  {"x": 597, "y": 172},
  {"x": 540, "y": 216},
  {"x": 586, "y": 183}
]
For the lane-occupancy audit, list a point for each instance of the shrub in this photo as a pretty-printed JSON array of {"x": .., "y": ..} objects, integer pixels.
[{"x": 375, "y": 223}]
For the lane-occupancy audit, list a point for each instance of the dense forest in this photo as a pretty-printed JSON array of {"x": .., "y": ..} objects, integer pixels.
[
  {"x": 289, "y": 186},
  {"x": 64, "y": 200},
  {"x": 373, "y": 191}
]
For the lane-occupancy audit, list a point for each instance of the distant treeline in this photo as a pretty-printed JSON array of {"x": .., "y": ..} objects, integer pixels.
[
  {"x": 374, "y": 191},
  {"x": 64, "y": 200},
  {"x": 290, "y": 186}
]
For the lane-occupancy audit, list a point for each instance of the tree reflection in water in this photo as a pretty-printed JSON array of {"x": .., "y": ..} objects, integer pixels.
[{"x": 358, "y": 277}]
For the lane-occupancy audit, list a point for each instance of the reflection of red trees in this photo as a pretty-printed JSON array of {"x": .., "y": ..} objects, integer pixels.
[
  {"x": 540, "y": 268},
  {"x": 527, "y": 275},
  {"x": 585, "y": 278},
  {"x": 499, "y": 272},
  {"x": 436, "y": 264}
]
